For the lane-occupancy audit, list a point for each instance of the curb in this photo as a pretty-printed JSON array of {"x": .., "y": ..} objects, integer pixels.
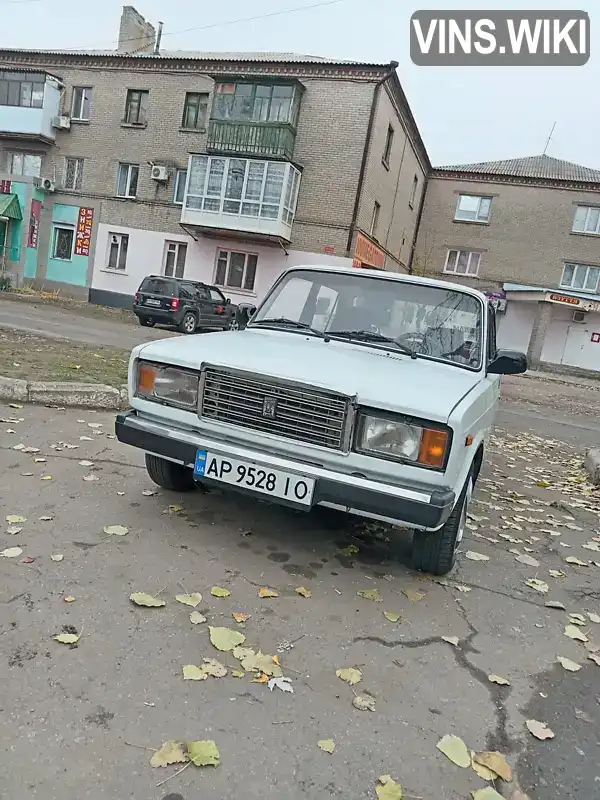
[
  {"x": 592, "y": 465},
  {"x": 70, "y": 395}
]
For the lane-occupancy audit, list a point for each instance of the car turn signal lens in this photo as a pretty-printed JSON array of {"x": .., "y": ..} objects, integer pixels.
[
  {"x": 433, "y": 447},
  {"x": 146, "y": 378}
]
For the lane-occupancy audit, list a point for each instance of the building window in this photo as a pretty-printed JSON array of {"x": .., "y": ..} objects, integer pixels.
[
  {"x": 472, "y": 208},
  {"x": 375, "y": 219},
  {"x": 587, "y": 220},
  {"x": 136, "y": 107},
  {"x": 18, "y": 90},
  {"x": 387, "y": 150},
  {"x": 117, "y": 251},
  {"x": 580, "y": 276},
  {"x": 174, "y": 261},
  {"x": 462, "y": 262},
  {"x": 73, "y": 173},
  {"x": 62, "y": 242},
  {"x": 248, "y": 102},
  {"x": 179, "y": 187},
  {"x": 24, "y": 164},
  {"x": 194, "y": 111},
  {"x": 127, "y": 180},
  {"x": 81, "y": 107},
  {"x": 267, "y": 189},
  {"x": 413, "y": 192},
  {"x": 236, "y": 270}
]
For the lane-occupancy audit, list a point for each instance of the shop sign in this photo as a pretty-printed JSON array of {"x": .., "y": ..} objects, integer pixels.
[
  {"x": 596, "y": 338},
  {"x": 83, "y": 235},
  {"x": 34, "y": 223},
  {"x": 367, "y": 254},
  {"x": 497, "y": 300},
  {"x": 5, "y": 187}
]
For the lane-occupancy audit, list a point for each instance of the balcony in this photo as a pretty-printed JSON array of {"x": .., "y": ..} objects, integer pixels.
[
  {"x": 29, "y": 102},
  {"x": 256, "y": 198},
  {"x": 262, "y": 139}
]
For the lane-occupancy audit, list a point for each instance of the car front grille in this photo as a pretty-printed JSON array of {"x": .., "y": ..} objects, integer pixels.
[{"x": 261, "y": 404}]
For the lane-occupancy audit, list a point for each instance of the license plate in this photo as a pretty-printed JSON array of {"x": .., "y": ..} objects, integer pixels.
[
  {"x": 265, "y": 480},
  {"x": 151, "y": 302}
]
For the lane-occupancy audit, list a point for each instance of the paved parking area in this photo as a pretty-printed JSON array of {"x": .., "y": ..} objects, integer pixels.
[{"x": 81, "y": 721}]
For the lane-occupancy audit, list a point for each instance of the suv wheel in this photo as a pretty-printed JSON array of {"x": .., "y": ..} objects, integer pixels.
[
  {"x": 147, "y": 322},
  {"x": 188, "y": 323},
  {"x": 169, "y": 475},
  {"x": 436, "y": 552}
]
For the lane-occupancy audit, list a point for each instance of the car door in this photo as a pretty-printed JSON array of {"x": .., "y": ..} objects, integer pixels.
[
  {"x": 220, "y": 308},
  {"x": 205, "y": 306}
]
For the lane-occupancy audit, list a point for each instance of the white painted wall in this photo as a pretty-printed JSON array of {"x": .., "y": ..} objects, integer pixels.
[
  {"x": 514, "y": 327},
  {"x": 145, "y": 256}
]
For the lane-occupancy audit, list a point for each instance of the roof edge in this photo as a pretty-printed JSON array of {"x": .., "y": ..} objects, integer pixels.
[{"x": 496, "y": 177}]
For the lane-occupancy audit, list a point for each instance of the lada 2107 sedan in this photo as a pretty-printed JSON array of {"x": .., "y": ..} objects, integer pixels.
[{"x": 368, "y": 392}]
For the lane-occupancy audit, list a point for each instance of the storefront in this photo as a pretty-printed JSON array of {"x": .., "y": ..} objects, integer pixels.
[{"x": 367, "y": 255}]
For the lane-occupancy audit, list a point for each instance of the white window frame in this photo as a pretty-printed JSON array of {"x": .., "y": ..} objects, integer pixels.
[
  {"x": 479, "y": 217},
  {"x": 375, "y": 219},
  {"x": 129, "y": 168},
  {"x": 592, "y": 288},
  {"x": 387, "y": 148},
  {"x": 413, "y": 193},
  {"x": 471, "y": 272},
  {"x": 77, "y": 174},
  {"x": 180, "y": 177},
  {"x": 56, "y": 227},
  {"x": 16, "y": 154},
  {"x": 175, "y": 248},
  {"x": 225, "y": 284},
  {"x": 78, "y": 114},
  {"x": 121, "y": 237},
  {"x": 593, "y": 211}
]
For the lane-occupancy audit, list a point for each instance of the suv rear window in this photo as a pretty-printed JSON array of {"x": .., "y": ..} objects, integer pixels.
[{"x": 159, "y": 286}]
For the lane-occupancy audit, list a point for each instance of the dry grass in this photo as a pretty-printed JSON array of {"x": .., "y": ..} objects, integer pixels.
[{"x": 25, "y": 294}]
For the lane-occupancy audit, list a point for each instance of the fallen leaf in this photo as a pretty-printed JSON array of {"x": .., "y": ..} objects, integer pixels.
[
  {"x": 11, "y": 552},
  {"x": 67, "y": 638},
  {"x": 169, "y": 753},
  {"x": 370, "y": 594},
  {"x": 12, "y": 530},
  {"x": 595, "y": 658},
  {"x": 259, "y": 662},
  {"x": 557, "y": 573},
  {"x": 482, "y": 771},
  {"x": 555, "y": 604},
  {"x": 455, "y": 749},
  {"x": 193, "y": 599},
  {"x": 528, "y": 560},
  {"x": 148, "y": 493},
  {"x": 19, "y": 447},
  {"x": 392, "y": 616},
  {"x": 204, "y": 753},
  {"x": 261, "y": 678},
  {"x": 495, "y": 762},
  {"x": 412, "y": 595},
  {"x": 569, "y": 665},
  {"x": 237, "y": 673},
  {"x": 57, "y": 557},
  {"x": 351, "y": 675},
  {"x": 94, "y": 424},
  {"x": 594, "y": 617},
  {"x": 281, "y": 683},
  {"x": 85, "y": 463},
  {"x": 388, "y": 789},
  {"x": 196, "y": 618},
  {"x": 175, "y": 509},
  {"x": 573, "y": 632},
  {"x": 46, "y": 519},
  {"x": 327, "y": 745},
  {"x": 46, "y": 478},
  {"x": 147, "y": 600},
  {"x": 15, "y": 405},
  {"x": 351, "y": 550},
  {"x": 539, "y": 729},
  {"x": 217, "y": 591},
  {"x": 193, "y": 673},
  {"x": 577, "y": 619},
  {"x": 69, "y": 599},
  {"x": 573, "y": 560},
  {"x": 14, "y": 519},
  {"x": 242, "y": 652},
  {"x": 462, "y": 588},
  {"x": 538, "y": 585},
  {"x": 264, "y": 591},
  {"x": 303, "y": 591},
  {"x": 240, "y": 617},
  {"x": 364, "y": 703},
  {"x": 499, "y": 680},
  {"x": 543, "y": 484},
  {"x": 115, "y": 530},
  {"x": 454, "y": 640},
  {"x": 214, "y": 668},
  {"x": 474, "y": 556},
  {"x": 225, "y": 639},
  {"x": 28, "y": 560},
  {"x": 489, "y": 793}
]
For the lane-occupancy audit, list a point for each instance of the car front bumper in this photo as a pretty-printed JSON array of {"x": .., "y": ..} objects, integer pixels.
[{"x": 423, "y": 508}]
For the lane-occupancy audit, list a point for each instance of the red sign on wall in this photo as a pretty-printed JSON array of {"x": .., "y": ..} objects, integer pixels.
[
  {"x": 83, "y": 235},
  {"x": 34, "y": 223},
  {"x": 5, "y": 187},
  {"x": 596, "y": 337}
]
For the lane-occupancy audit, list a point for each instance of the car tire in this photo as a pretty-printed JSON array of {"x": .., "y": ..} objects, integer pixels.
[
  {"x": 169, "y": 475},
  {"x": 435, "y": 552},
  {"x": 145, "y": 322},
  {"x": 188, "y": 323}
]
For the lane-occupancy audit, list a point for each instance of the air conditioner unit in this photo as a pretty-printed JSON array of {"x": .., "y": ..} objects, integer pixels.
[
  {"x": 63, "y": 123},
  {"x": 579, "y": 316},
  {"x": 159, "y": 173},
  {"x": 48, "y": 185}
]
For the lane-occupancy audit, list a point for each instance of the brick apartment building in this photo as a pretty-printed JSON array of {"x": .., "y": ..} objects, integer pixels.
[
  {"x": 222, "y": 167},
  {"x": 527, "y": 231}
]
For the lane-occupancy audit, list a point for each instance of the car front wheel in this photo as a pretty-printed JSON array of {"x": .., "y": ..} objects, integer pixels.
[
  {"x": 435, "y": 552},
  {"x": 169, "y": 475},
  {"x": 188, "y": 323}
]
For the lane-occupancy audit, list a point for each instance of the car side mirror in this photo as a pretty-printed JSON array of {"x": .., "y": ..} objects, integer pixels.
[
  {"x": 243, "y": 314},
  {"x": 227, "y": 301},
  {"x": 508, "y": 362}
]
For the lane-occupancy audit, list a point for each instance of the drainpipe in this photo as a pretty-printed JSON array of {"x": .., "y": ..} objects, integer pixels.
[
  {"x": 417, "y": 225},
  {"x": 363, "y": 165}
]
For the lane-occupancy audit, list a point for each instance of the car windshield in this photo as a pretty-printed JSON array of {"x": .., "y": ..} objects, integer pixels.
[{"x": 427, "y": 321}]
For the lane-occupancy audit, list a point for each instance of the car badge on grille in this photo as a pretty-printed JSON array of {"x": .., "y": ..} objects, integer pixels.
[{"x": 269, "y": 408}]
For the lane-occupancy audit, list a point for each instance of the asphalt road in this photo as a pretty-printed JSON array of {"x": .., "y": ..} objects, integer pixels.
[{"x": 68, "y": 713}]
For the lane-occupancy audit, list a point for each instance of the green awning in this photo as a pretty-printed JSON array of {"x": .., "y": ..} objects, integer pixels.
[{"x": 10, "y": 206}]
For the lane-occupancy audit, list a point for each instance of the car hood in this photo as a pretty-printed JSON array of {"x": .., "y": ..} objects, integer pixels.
[{"x": 376, "y": 377}]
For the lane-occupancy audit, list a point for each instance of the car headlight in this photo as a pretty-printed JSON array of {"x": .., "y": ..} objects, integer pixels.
[
  {"x": 172, "y": 386},
  {"x": 403, "y": 441}
]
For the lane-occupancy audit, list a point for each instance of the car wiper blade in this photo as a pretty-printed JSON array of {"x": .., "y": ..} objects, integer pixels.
[
  {"x": 290, "y": 323},
  {"x": 373, "y": 336}
]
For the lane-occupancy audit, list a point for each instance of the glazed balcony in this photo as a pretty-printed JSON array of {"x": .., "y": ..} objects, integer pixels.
[
  {"x": 257, "y": 139},
  {"x": 29, "y": 105}
]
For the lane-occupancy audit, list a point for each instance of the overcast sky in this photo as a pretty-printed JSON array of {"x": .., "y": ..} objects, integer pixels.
[{"x": 464, "y": 114}]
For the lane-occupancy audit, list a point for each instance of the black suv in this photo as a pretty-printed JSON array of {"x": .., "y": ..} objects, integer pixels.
[{"x": 185, "y": 305}]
